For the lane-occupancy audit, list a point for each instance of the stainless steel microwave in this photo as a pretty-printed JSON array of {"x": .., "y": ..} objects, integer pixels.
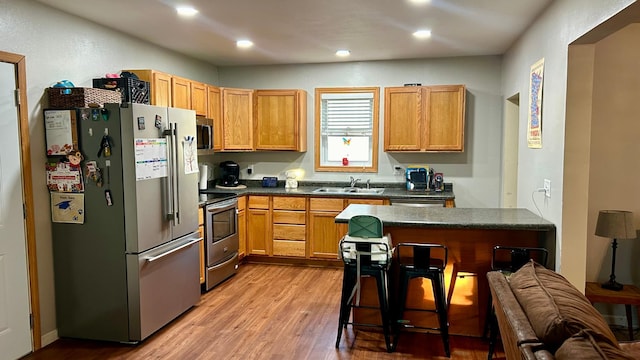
[{"x": 204, "y": 133}]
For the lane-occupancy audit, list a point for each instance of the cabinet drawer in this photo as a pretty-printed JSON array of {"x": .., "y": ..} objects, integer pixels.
[
  {"x": 366, "y": 201},
  {"x": 289, "y": 232},
  {"x": 289, "y": 248},
  {"x": 326, "y": 204},
  {"x": 258, "y": 202},
  {"x": 289, "y": 203},
  {"x": 289, "y": 217}
]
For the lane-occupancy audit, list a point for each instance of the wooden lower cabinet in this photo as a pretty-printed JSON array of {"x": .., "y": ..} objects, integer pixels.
[
  {"x": 289, "y": 226},
  {"x": 201, "y": 229},
  {"x": 324, "y": 233},
  {"x": 259, "y": 226},
  {"x": 242, "y": 227}
]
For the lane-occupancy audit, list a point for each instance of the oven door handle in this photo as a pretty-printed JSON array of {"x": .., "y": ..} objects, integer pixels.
[
  {"x": 222, "y": 206},
  {"x": 154, "y": 258}
]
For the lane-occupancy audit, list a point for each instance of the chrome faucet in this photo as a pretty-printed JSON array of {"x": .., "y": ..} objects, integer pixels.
[
  {"x": 368, "y": 183},
  {"x": 353, "y": 181}
]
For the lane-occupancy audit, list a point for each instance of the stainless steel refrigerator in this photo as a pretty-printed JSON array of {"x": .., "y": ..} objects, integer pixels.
[{"x": 133, "y": 265}]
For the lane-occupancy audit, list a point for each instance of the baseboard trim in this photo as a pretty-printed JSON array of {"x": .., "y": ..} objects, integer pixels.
[{"x": 49, "y": 337}]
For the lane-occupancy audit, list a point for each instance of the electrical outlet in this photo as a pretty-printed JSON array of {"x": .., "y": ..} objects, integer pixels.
[
  {"x": 397, "y": 170},
  {"x": 547, "y": 188},
  {"x": 250, "y": 169}
]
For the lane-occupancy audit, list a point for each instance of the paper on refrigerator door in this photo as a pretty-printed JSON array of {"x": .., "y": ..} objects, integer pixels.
[
  {"x": 190, "y": 154},
  {"x": 151, "y": 158}
]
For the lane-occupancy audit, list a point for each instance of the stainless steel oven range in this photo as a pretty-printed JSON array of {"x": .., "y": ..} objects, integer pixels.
[{"x": 221, "y": 240}]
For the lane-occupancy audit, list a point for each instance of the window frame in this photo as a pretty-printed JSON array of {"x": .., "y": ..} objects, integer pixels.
[{"x": 375, "y": 91}]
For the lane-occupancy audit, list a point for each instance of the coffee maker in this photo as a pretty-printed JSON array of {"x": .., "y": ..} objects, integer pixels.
[{"x": 230, "y": 174}]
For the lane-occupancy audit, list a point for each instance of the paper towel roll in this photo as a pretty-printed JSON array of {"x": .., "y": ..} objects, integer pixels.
[{"x": 204, "y": 176}]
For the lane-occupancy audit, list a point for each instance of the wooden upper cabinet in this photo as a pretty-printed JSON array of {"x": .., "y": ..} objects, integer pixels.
[
  {"x": 181, "y": 92},
  {"x": 214, "y": 112},
  {"x": 160, "y": 86},
  {"x": 424, "y": 118},
  {"x": 444, "y": 121},
  {"x": 402, "y": 118},
  {"x": 237, "y": 119},
  {"x": 280, "y": 120},
  {"x": 199, "y": 98}
]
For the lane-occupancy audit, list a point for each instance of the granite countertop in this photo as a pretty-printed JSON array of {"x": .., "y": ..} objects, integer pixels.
[
  {"x": 436, "y": 217},
  {"x": 391, "y": 190}
]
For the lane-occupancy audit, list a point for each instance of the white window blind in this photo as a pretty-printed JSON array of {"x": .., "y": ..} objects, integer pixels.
[{"x": 347, "y": 114}]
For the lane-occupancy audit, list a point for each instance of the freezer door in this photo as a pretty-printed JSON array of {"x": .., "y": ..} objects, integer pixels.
[
  {"x": 186, "y": 171},
  {"x": 163, "y": 283},
  {"x": 144, "y": 174}
]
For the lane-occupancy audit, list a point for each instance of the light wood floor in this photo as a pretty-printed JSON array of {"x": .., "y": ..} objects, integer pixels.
[{"x": 268, "y": 312}]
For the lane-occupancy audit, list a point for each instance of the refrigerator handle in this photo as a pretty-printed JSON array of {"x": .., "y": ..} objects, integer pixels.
[
  {"x": 176, "y": 174},
  {"x": 169, "y": 134}
]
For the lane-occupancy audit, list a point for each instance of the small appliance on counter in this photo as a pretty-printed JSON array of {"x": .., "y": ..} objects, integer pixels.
[
  {"x": 230, "y": 174},
  {"x": 438, "y": 182},
  {"x": 417, "y": 179},
  {"x": 291, "y": 182}
]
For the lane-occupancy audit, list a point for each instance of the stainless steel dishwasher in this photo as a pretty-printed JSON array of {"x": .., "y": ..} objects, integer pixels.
[{"x": 417, "y": 202}]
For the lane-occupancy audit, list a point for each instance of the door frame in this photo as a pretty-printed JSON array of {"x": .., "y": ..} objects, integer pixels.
[{"x": 27, "y": 196}]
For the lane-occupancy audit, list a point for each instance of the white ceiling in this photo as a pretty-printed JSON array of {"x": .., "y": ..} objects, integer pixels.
[{"x": 310, "y": 31}]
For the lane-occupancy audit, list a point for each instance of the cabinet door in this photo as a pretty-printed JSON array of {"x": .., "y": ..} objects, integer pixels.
[
  {"x": 161, "y": 89},
  {"x": 237, "y": 119},
  {"x": 199, "y": 98},
  {"x": 324, "y": 234},
  {"x": 181, "y": 92},
  {"x": 214, "y": 99},
  {"x": 444, "y": 120},
  {"x": 258, "y": 232},
  {"x": 403, "y": 118},
  {"x": 279, "y": 123}
]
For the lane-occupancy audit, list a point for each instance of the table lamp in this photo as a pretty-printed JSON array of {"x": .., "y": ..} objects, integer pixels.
[{"x": 615, "y": 224}]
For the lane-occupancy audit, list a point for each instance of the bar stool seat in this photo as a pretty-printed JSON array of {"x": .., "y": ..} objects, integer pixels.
[
  {"x": 365, "y": 252},
  {"x": 422, "y": 261}
]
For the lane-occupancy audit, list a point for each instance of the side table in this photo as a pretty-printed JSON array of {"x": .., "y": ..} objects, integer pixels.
[{"x": 628, "y": 296}]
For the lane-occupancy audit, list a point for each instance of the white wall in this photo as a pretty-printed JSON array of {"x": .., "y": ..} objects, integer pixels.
[
  {"x": 475, "y": 173},
  {"x": 59, "y": 46},
  {"x": 548, "y": 38}
]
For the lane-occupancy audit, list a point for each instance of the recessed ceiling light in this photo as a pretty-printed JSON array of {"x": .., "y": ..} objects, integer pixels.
[
  {"x": 186, "y": 10},
  {"x": 343, "y": 53},
  {"x": 422, "y": 34},
  {"x": 244, "y": 44},
  {"x": 420, "y": 2}
]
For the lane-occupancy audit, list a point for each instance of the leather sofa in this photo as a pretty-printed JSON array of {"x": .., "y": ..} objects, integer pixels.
[{"x": 542, "y": 316}]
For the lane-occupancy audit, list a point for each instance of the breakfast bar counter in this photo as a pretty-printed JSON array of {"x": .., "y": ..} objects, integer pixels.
[{"x": 470, "y": 235}]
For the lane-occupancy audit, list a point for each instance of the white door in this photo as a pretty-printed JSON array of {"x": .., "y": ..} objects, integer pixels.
[{"x": 15, "y": 329}]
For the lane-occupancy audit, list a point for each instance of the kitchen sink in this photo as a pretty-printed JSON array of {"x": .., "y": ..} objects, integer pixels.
[{"x": 349, "y": 190}]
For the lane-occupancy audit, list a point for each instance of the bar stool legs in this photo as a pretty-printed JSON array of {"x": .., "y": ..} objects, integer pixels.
[
  {"x": 346, "y": 302},
  {"x": 423, "y": 266}
]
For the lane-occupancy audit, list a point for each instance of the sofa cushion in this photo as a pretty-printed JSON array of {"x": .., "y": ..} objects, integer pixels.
[
  {"x": 587, "y": 345},
  {"x": 555, "y": 308}
]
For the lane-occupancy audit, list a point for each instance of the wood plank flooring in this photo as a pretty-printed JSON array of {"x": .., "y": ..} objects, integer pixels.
[{"x": 268, "y": 312}]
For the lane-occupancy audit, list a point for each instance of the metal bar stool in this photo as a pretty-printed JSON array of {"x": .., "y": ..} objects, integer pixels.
[
  {"x": 507, "y": 260},
  {"x": 365, "y": 252},
  {"x": 423, "y": 261}
]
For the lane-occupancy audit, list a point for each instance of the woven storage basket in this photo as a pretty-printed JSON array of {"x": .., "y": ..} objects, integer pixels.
[{"x": 68, "y": 98}]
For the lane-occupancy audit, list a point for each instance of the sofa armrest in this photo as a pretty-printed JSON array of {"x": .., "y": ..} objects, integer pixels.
[
  {"x": 631, "y": 347},
  {"x": 514, "y": 325},
  {"x": 535, "y": 351}
]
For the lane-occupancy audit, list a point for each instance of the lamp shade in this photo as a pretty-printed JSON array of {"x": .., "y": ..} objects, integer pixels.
[{"x": 616, "y": 224}]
